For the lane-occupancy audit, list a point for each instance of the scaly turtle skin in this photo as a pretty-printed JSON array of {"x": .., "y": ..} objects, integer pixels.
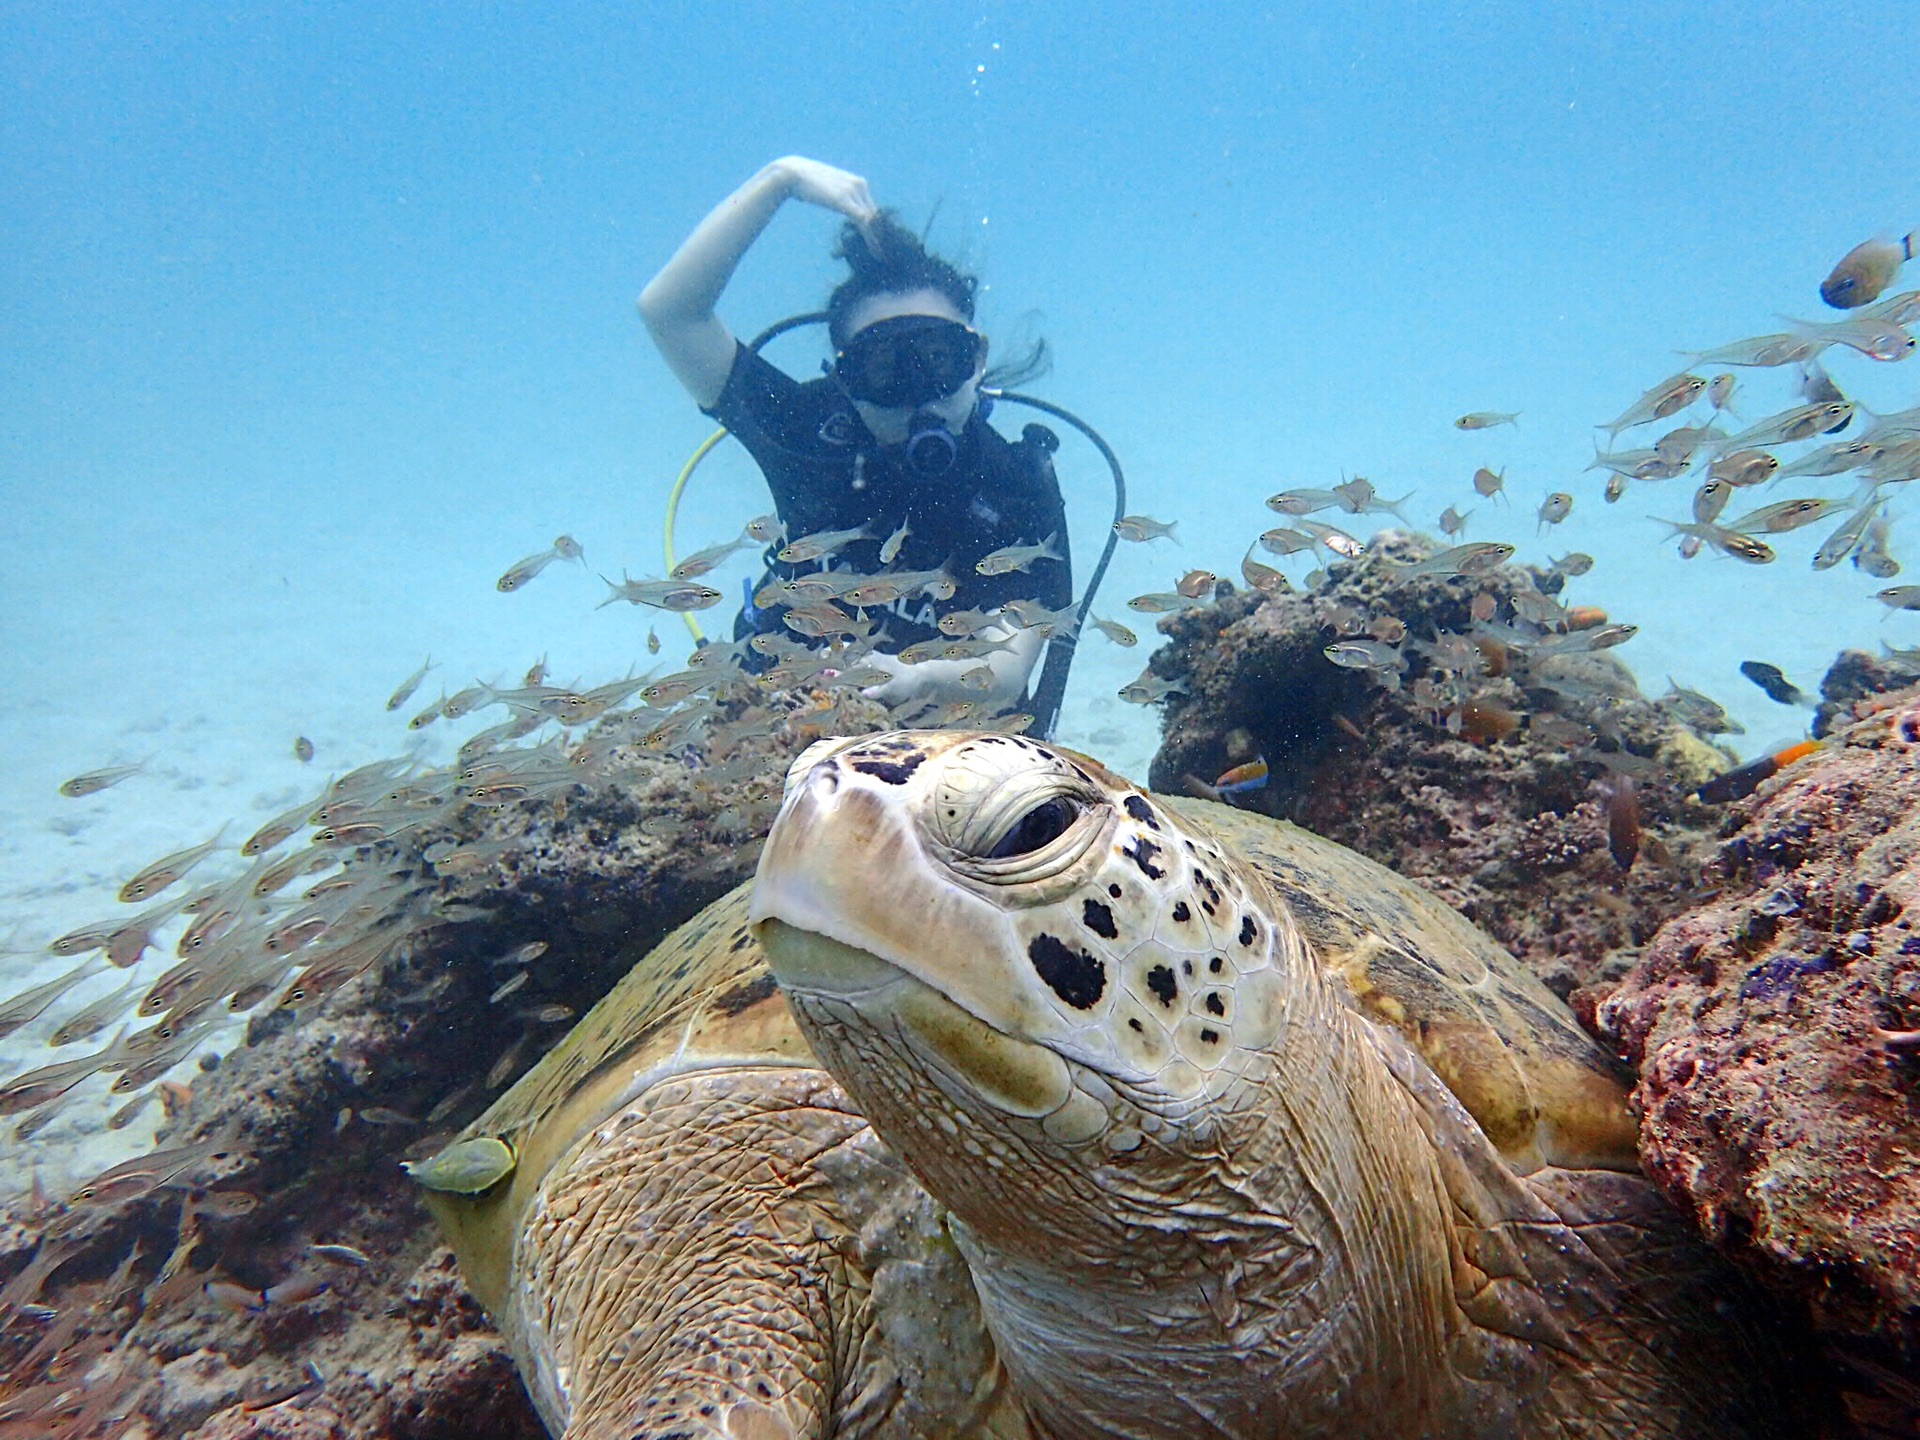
[
  {"x": 1241, "y": 1135},
  {"x": 684, "y": 1228}
]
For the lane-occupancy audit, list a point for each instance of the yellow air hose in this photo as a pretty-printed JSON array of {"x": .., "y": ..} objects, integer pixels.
[{"x": 673, "y": 512}]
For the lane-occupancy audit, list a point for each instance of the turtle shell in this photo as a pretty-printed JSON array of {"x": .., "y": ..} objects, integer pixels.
[
  {"x": 1506, "y": 1046},
  {"x": 703, "y": 998}
]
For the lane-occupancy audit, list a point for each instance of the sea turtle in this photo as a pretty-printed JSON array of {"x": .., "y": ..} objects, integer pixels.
[
  {"x": 685, "y": 1229},
  {"x": 1240, "y": 1134}
]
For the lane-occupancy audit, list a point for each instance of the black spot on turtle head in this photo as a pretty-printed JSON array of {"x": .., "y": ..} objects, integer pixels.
[
  {"x": 1186, "y": 968},
  {"x": 1075, "y": 976},
  {"x": 1215, "y": 965},
  {"x": 892, "y": 772},
  {"x": 1142, "y": 855},
  {"x": 1133, "y": 1023},
  {"x": 1215, "y": 1006},
  {"x": 1181, "y": 912},
  {"x": 1114, "y": 891},
  {"x": 1099, "y": 919},
  {"x": 1210, "y": 1036},
  {"x": 1249, "y": 932},
  {"x": 1164, "y": 987},
  {"x": 1139, "y": 809}
]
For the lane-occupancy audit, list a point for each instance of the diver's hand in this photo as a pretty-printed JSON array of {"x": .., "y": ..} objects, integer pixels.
[{"x": 829, "y": 187}]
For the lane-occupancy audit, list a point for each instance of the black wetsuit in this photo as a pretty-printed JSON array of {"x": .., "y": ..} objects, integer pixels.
[{"x": 827, "y": 472}]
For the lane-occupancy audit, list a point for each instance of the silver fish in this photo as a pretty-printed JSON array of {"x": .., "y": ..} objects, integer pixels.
[
  {"x": 1486, "y": 419},
  {"x": 1784, "y": 516},
  {"x": 1009, "y": 558},
  {"x": 678, "y": 595},
  {"x": 407, "y": 686},
  {"x": 701, "y": 561},
  {"x": 890, "y": 547},
  {"x": 820, "y": 543},
  {"x": 1137, "y": 528},
  {"x": 1674, "y": 393}
]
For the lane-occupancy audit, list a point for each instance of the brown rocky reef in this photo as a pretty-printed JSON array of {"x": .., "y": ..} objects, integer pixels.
[
  {"x": 1516, "y": 772},
  {"x": 1776, "y": 1031}
]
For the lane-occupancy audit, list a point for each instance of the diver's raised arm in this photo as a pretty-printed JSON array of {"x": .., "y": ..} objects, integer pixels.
[
  {"x": 939, "y": 680},
  {"x": 678, "y": 303}
]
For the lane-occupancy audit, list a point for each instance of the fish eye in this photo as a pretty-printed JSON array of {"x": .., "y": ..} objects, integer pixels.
[{"x": 1040, "y": 826}]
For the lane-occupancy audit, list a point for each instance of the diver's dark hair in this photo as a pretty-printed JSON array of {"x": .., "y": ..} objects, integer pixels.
[{"x": 887, "y": 258}]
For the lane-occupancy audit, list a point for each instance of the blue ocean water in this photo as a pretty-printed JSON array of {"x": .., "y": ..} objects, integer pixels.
[{"x": 318, "y": 318}]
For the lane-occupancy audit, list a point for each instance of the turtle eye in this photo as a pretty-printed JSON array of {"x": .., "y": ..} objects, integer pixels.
[{"x": 1042, "y": 825}]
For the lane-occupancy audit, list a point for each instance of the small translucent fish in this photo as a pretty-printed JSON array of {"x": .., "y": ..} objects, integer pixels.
[
  {"x": 1358, "y": 497},
  {"x": 1137, "y": 528},
  {"x": 1900, "y": 597},
  {"x": 1762, "y": 350},
  {"x": 1699, "y": 713},
  {"x": 1678, "y": 446},
  {"x": 1346, "y": 546},
  {"x": 1710, "y": 499},
  {"x": 1381, "y": 661},
  {"x": 1555, "y": 508},
  {"x": 1873, "y": 557},
  {"x": 1616, "y": 487},
  {"x": 1901, "y": 309},
  {"x": 1720, "y": 391},
  {"x": 1486, "y": 419},
  {"x": 94, "y": 781},
  {"x": 525, "y": 570},
  {"x": 1646, "y": 463},
  {"x": 386, "y": 1115},
  {"x": 1488, "y": 483},
  {"x": 1865, "y": 271},
  {"x": 1161, "y": 603},
  {"x": 1283, "y": 541},
  {"x": 1476, "y": 557},
  {"x": 1032, "y": 615},
  {"x": 89, "y": 1021},
  {"x": 978, "y": 678},
  {"x": 701, "y": 561},
  {"x": 466, "y": 1167},
  {"x": 1784, "y": 516},
  {"x": 764, "y": 529},
  {"x": 405, "y": 690},
  {"x": 1116, "y": 632},
  {"x": 521, "y": 954},
  {"x": 1149, "y": 687},
  {"x": 1243, "y": 779},
  {"x": 30, "y": 1005},
  {"x": 653, "y": 641},
  {"x": 1836, "y": 458},
  {"x": 678, "y": 595},
  {"x": 1263, "y": 578},
  {"x": 1452, "y": 522},
  {"x": 427, "y": 716},
  {"x": 568, "y": 548},
  {"x": 1798, "y": 423},
  {"x": 946, "y": 717},
  {"x": 1676, "y": 392},
  {"x": 1575, "y": 562},
  {"x": 1744, "y": 467},
  {"x": 819, "y": 544},
  {"x": 1482, "y": 607},
  {"x": 1009, "y": 558},
  {"x": 1846, "y": 538},
  {"x": 1197, "y": 584},
  {"x": 166, "y": 871},
  {"x": 1876, "y": 339},
  {"x": 890, "y": 547},
  {"x": 1722, "y": 538},
  {"x": 962, "y": 623},
  {"x": 1303, "y": 502},
  {"x": 338, "y": 1254}
]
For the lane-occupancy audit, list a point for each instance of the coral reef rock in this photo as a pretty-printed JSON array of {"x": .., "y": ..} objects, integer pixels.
[{"x": 1776, "y": 1030}]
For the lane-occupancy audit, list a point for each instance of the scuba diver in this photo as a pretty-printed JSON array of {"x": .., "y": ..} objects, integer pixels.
[{"x": 892, "y": 441}]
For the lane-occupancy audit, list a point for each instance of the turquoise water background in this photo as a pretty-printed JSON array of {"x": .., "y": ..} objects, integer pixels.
[{"x": 318, "y": 317}]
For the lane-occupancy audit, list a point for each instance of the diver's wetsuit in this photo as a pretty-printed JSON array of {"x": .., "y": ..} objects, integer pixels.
[{"x": 827, "y": 472}]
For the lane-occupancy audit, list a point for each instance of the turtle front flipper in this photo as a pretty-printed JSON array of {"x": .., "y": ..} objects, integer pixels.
[
  {"x": 684, "y": 1228},
  {"x": 679, "y": 1276}
]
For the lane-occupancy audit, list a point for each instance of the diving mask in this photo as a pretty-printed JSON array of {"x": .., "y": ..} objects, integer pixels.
[{"x": 909, "y": 360}]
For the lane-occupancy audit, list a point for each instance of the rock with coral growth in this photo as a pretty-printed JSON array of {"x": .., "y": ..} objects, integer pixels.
[
  {"x": 1777, "y": 1034},
  {"x": 1522, "y": 778}
]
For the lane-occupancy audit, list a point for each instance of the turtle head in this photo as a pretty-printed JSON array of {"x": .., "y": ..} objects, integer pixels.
[{"x": 1018, "y": 962}]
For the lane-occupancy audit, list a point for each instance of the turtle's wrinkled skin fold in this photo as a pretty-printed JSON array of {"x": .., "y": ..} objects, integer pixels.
[
  {"x": 1241, "y": 1135},
  {"x": 700, "y": 1236}
]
